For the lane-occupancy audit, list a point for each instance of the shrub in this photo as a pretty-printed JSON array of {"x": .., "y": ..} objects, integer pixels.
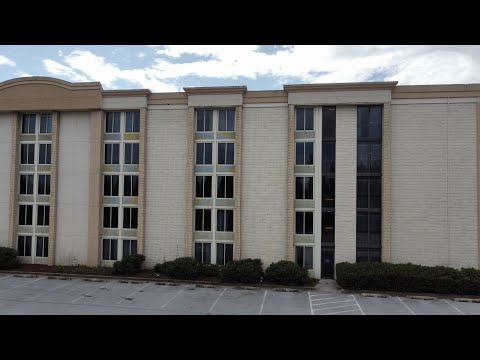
[
  {"x": 130, "y": 264},
  {"x": 287, "y": 273},
  {"x": 408, "y": 278},
  {"x": 247, "y": 271},
  {"x": 8, "y": 258},
  {"x": 184, "y": 268},
  {"x": 160, "y": 268},
  {"x": 210, "y": 270}
]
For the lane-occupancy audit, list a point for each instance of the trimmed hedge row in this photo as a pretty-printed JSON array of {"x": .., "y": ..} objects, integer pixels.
[
  {"x": 246, "y": 271},
  {"x": 129, "y": 265},
  {"x": 8, "y": 258},
  {"x": 408, "y": 278}
]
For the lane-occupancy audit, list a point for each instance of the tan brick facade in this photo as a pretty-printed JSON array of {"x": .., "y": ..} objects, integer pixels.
[
  {"x": 52, "y": 236},
  {"x": 386, "y": 184},
  {"x": 238, "y": 183},
  {"x": 142, "y": 180},
  {"x": 189, "y": 180},
  {"x": 14, "y": 164},
  {"x": 290, "y": 182}
]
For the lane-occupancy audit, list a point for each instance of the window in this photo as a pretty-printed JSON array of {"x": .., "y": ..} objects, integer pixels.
[
  {"x": 304, "y": 153},
  {"x": 43, "y": 184},
  {"x": 24, "y": 246},
  {"x": 42, "y": 246},
  {"x": 132, "y": 121},
  {"x": 202, "y": 252},
  {"x": 45, "y": 154},
  {"x": 226, "y": 153},
  {"x": 224, "y": 253},
  {"x": 110, "y": 217},
  {"x": 369, "y": 183},
  {"x": 304, "y": 187},
  {"x": 45, "y": 124},
  {"x": 130, "y": 218},
  {"x": 25, "y": 215},
  {"x": 225, "y": 220},
  {"x": 112, "y": 122},
  {"x": 129, "y": 247},
  {"x": 328, "y": 191},
  {"x": 226, "y": 120},
  {"x": 203, "y": 188},
  {"x": 28, "y": 123},
  {"x": 43, "y": 215},
  {"x": 225, "y": 187},
  {"x": 203, "y": 220},
  {"x": 204, "y": 154},
  {"x": 112, "y": 153},
  {"x": 204, "y": 120},
  {"x": 130, "y": 185},
  {"x": 304, "y": 118},
  {"x": 328, "y": 157},
  {"x": 328, "y": 228},
  {"x": 304, "y": 256},
  {"x": 328, "y": 123},
  {"x": 110, "y": 185},
  {"x": 131, "y": 153},
  {"x": 27, "y": 154},
  {"x": 303, "y": 222},
  {"x": 26, "y": 184},
  {"x": 110, "y": 247}
]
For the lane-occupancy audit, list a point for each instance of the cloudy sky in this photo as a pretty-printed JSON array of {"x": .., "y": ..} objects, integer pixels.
[{"x": 163, "y": 68}]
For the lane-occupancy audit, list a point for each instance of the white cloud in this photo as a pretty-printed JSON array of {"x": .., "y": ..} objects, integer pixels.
[
  {"x": 22, "y": 74},
  {"x": 425, "y": 64},
  {"x": 6, "y": 61},
  {"x": 141, "y": 55}
]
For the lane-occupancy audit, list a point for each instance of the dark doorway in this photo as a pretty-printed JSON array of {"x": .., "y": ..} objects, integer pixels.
[{"x": 328, "y": 262}]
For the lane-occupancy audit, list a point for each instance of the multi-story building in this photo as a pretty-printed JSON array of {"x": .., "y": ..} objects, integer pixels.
[{"x": 317, "y": 174}]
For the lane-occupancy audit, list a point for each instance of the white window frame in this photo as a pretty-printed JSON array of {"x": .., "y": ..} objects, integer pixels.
[
  {"x": 305, "y": 118},
  {"x": 313, "y": 184},
  {"x": 113, "y": 122},
  {"x": 131, "y": 185},
  {"x": 203, "y": 242},
  {"x": 111, "y": 184},
  {"x": 35, "y": 149},
  {"x": 224, "y": 210},
  {"x": 43, "y": 237},
  {"x": 304, "y": 141},
  {"x": 203, "y": 158},
  {"x": 133, "y": 112},
  {"x": 203, "y": 219},
  {"x": 111, "y": 215},
  {"x": 226, "y": 142},
  {"x": 304, "y": 217},
  {"x": 33, "y": 214},
  {"x": 304, "y": 245},
  {"x": 46, "y": 214},
  {"x": 132, "y": 143},
  {"x": 31, "y": 245},
  {"x": 203, "y": 188},
  {"x": 34, "y": 127},
  {"x": 38, "y": 183},
  {"x": 110, "y": 248},
  {"x": 225, "y": 187},
  {"x": 204, "y": 116},
  {"x": 20, "y": 183},
  {"x": 226, "y": 120},
  {"x": 130, "y": 246},
  {"x": 130, "y": 209},
  {"x": 225, "y": 243},
  {"x": 111, "y": 152},
  {"x": 49, "y": 121},
  {"x": 47, "y": 145}
]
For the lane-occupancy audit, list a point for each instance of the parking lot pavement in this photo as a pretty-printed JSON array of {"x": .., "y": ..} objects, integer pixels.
[{"x": 40, "y": 295}]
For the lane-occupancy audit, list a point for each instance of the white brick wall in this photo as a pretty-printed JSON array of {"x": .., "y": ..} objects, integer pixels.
[
  {"x": 73, "y": 182},
  {"x": 5, "y": 155},
  {"x": 165, "y": 202},
  {"x": 264, "y": 184},
  {"x": 434, "y": 192},
  {"x": 346, "y": 184}
]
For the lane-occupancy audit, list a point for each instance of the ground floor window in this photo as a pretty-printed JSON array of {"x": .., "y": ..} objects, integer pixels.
[
  {"x": 224, "y": 253},
  {"x": 129, "y": 247},
  {"x": 24, "y": 246},
  {"x": 42, "y": 246},
  {"x": 304, "y": 256},
  {"x": 110, "y": 247},
  {"x": 203, "y": 252}
]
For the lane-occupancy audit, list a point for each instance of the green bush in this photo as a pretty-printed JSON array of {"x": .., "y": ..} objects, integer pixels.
[
  {"x": 247, "y": 271},
  {"x": 82, "y": 269},
  {"x": 209, "y": 270},
  {"x": 130, "y": 264},
  {"x": 8, "y": 258},
  {"x": 408, "y": 278},
  {"x": 160, "y": 268},
  {"x": 185, "y": 268},
  {"x": 287, "y": 273}
]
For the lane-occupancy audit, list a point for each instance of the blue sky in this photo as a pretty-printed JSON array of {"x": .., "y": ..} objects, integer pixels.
[{"x": 163, "y": 68}]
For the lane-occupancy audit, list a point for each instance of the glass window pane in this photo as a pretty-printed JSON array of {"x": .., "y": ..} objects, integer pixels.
[
  {"x": 23, "y": 184},
  {"x": 229, "y": 220},
  {"x": 220, "y": 254},
  {"x": 49, "y": 154},
  {"x": 108, "y": 122},
  {"x": 133, "y": 247},
  {"x": 309, "y": 119},
  {"x": 362, "y": 193},
  {"x": 116, "y": 122},
  {"x": 208, "y": 120},
  {"x": 309, "y": 153},
  {"x": 220, "y": 187},
  {"x": 199, "y": 186},
  {"x": 221, "y": 153},
  {"x": 375, "y": 121},
  {"x": 116, "y": 154},
  {"x": 200, "y": 149},
  {"x": 21, "y": 215},
  {"x": 222, "y": 120},
  {"x": 308, "y": 222},
  {"x": 362, "y": 122},
  {"x": 308, "y": 187},
  {"x": 375, "y": 193},
  {"x": 300, "y": 118},
  {"x": 115, "y": 185},
  {"x": 29, "y": 215},
  {"x": 328, "y": 122},
  {"x": 108, "y": 153},
  {"x": 126, "y": 218},
  {"x": 328, "y": 227},
  {"x": 134, "y": 215},
  {"x": 47, "y": 184},
  {"x": 208, "y": 187},
  {"x": 228, "y": 252},
  {"x": 230, "y": 153},
  {"x": 136, "y": 124},
  {"x": 328, "y": 157},
  {"x": 231, "y": 120},
  {"x": 308, "y": 257},
  {"x": 229, "y": 187},
  {"x": 134, "y": 185},
  {"x": 376, "y": 158},
  {"x": 220, "y": 220},
  {"x": 126, "y": 248},
  {"x": 113, "y": 249},
  {"x": 198, "y": 252},
  {"x": 362, "y": 255},
  {"x": 208, "y": 153},
  {"x": 299, "y": 187},
  {"x": 128, "y": 153},
  {"x": 206, "y": 253},
  {"x": 107, "y": 185},
  {"x": 21, "y": 246},
  {"x": 362, "y": 158},
  {"x": 207, "y": 220},
  {"x": 28, "y": 246},
  {"x": 114, "y": 217},
  {"x": 39, "y": 247},
  {"x": 299, "y": 222},
  {"x": 300, "y": 153},
  {"x": 43, "y": 125},
  {"x": 136, "y": 153},
  {"x": 198, "y": 219},
  {"x": 128, "y": 121},
  {"x": 375, "y": 255},
  {"x": 31, "y": 153},
  {"x": 328, "y": 191},
  {"x": 106, "y": 217},
  {"x": 24, "y": 124},
  {"x": 362, "y": 229},
  {"x": 299, "y": 255},
  {"x": 200, "y": 120},
  {"x": 45, "y": 246}
]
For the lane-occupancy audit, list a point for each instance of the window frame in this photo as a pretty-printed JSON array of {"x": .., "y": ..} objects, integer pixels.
[
  {"x": 204, "y": 117},
  {"x": 132, "y": 210},
  {"x": 304, "y": 187},
  {"x": 204, "y": 186},
  {"x": 49, "y": 121},
  {"x": 202, "y": 143},
  {"x": 226, "y": 120},
  {"x": 113, "y": 122},
  {"x": 48, "y": 151},
  {"x": 304, "y": 108},
  {"x": 225, "y": 186},
  {"x": 224, "y": 252},
  {"x": 134, "y": 122},
  {"x": 202, "y": 244},
  {"x": 304, "y": 142},
  {"x": 110, "y": 176},
  {"x": 46, "y": 215},
  {"x": 110, "y": 252},
  {"x": 220, "y": 210},
  {"x": 47, "y": 184},
  {"x": 130, "y": 246},
  {"x": 203, "y": 219},
  {"x": 27, "y": 206},
  {"x": 30, "y": 238},
  {"x": 113, "y": 145},
  {"x": 132, "y": 187},
  {"x": 29, "y": 123},
  {"x": 27, "y": 175},
  {"x": 133, "y": 145},
  {"x": 28, "y": 145},
  {"x": 111, "y": 216},
  {"x": 304, "y": 211},
  {"x": 297, "y": 246},
  {"x": 226, "y": 143},
  {"x": 43, "y": 247}
]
